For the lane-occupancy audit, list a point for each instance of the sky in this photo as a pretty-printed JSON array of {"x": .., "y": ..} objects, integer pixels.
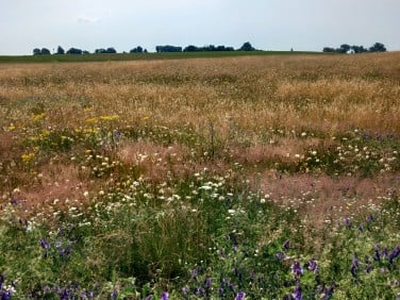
[{"x": 306, "y": 25}]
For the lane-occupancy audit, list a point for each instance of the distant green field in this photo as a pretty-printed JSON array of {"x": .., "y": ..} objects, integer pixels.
[{"x": 137, "y": 56}]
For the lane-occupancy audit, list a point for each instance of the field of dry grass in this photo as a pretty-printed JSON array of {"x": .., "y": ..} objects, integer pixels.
[
  {"x": 263, "y": 113},
  {"x": 160, "y": 169}
]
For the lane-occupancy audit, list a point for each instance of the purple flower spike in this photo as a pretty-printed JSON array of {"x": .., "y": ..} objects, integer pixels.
[
  {"x": 394, "y": 254},
  {"x": 280, "y": 256},
  {"x": 297, "y": 295},
  {"x": 2, "y": 278},
  {"x": 164, "y": 296},
  {"x": 347, "y": 222},
  {"x": 6, "y": 295},
  {"x": 286, "y": 245},
  {"x": 354, "y": 266},
  {"x": 297, "y": 269},
  {"x": 185, "y": 290},
  {"x": 312, "y": 266},
  {"x": 240, "y": 296},
  {"x": 44, "y": 243}
]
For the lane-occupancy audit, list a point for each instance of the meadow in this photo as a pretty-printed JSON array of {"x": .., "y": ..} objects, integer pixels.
[{"x": 246, "y": 177}]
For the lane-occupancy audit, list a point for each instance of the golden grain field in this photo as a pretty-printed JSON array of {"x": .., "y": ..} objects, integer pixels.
[{"x": 264, "y": 113}]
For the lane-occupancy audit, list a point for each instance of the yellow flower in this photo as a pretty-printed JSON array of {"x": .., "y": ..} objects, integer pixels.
[
  {"x": 108, "y": 118},
  {"x": 91, "y": 120},
  {"x": 39, "y": 117},
  {"x": 26, "y": 158},
  {"x": 11, "y": 127},
  {"x": 45, "y": 132},
  {"x": 145, "y": 118}
]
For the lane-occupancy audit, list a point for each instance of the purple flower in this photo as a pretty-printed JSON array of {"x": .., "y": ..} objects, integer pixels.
[
  {"x": 297, "y": 269},
  {"x": 2, "y": 278},
  {"x": 221, "y": 292},
  {"x": 185, "y": 290},
  {"x": 164, "y": 296},
  {"x": 354, "y": 266},
  {"x": 207, "y": 284},
  {"x": 286, "y": 245},
  {"x": 377, "y": 255},
  {"x": 326, "y": 292},
  {"x": 347, "y": 222},
  {"x": 385, "y": 252},
  {"x": 312, "y": 266},
  {"x": 240, "y": 296},
  {"x": 199, "y": 292},
  {"x": 280, "y": 256},
  {"x": 297, "y": 295},
  {"x": 394, "y": 254},
  {"x": 6, "y": 295},
  {"x": 45, "y": 245}
]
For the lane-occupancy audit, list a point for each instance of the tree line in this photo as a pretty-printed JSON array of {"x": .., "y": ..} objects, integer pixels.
[
  {"x": 346, "y": 48},
  {"x": 165, "y": 48}
]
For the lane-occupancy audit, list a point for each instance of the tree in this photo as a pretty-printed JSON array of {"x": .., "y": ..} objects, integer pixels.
[
  {"x": 37, "y": 51},
  {"x": 344, "y": 48},
  {"x": 328, "y": 50},
  {"x": 378, "y": 47},
  {"x": 74, "y": 51},
  {"x": 190, "y": 48},
  {"x": 45, "y": 51},
  {"x": 168, "y": 48},
  {"x": 358, "y": 49},
  {"x": 60, "y": 50},
  {"x": 138, "y": 49},
  {"x": 247, "y": 47},
  {"x": 111, "y": 50}
]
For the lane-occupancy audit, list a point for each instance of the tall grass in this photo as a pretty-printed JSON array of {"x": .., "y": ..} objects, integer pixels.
[{"x": 207, "y": 178}]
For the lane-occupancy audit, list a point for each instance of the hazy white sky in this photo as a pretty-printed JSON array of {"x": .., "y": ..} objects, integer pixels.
[{"x": 267, "y": 24}]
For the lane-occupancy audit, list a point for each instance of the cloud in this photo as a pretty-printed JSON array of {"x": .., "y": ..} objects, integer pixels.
[{"x": 86, "y": 19}]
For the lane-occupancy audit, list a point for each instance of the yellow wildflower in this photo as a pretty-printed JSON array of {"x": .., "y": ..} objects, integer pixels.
[
  {"x": 26, "y": 158},
  {"x": 108, "y": 118},
  {"x": 91, "y": 120},
  {"x": 39, "y": 117},
  {"x": 11, "y": 127},
  {"x": 45, "y": 132}
]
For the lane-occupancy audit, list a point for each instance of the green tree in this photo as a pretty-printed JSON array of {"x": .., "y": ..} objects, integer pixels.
[
  {"x": 328, "y": 50},
  {"x": 344, "y": 48},
  {"x": 247, "y": 47},
  {"x": 45, "y": 51},
  {"x": 138, "y": 49},
  {"x": 358, "y": 49},
  {"x": 37, "y": 51},
  {"x": 378, "y": 47},
  {"x": 60, "y": 50},
  {"x": 74, "y": 51}
]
